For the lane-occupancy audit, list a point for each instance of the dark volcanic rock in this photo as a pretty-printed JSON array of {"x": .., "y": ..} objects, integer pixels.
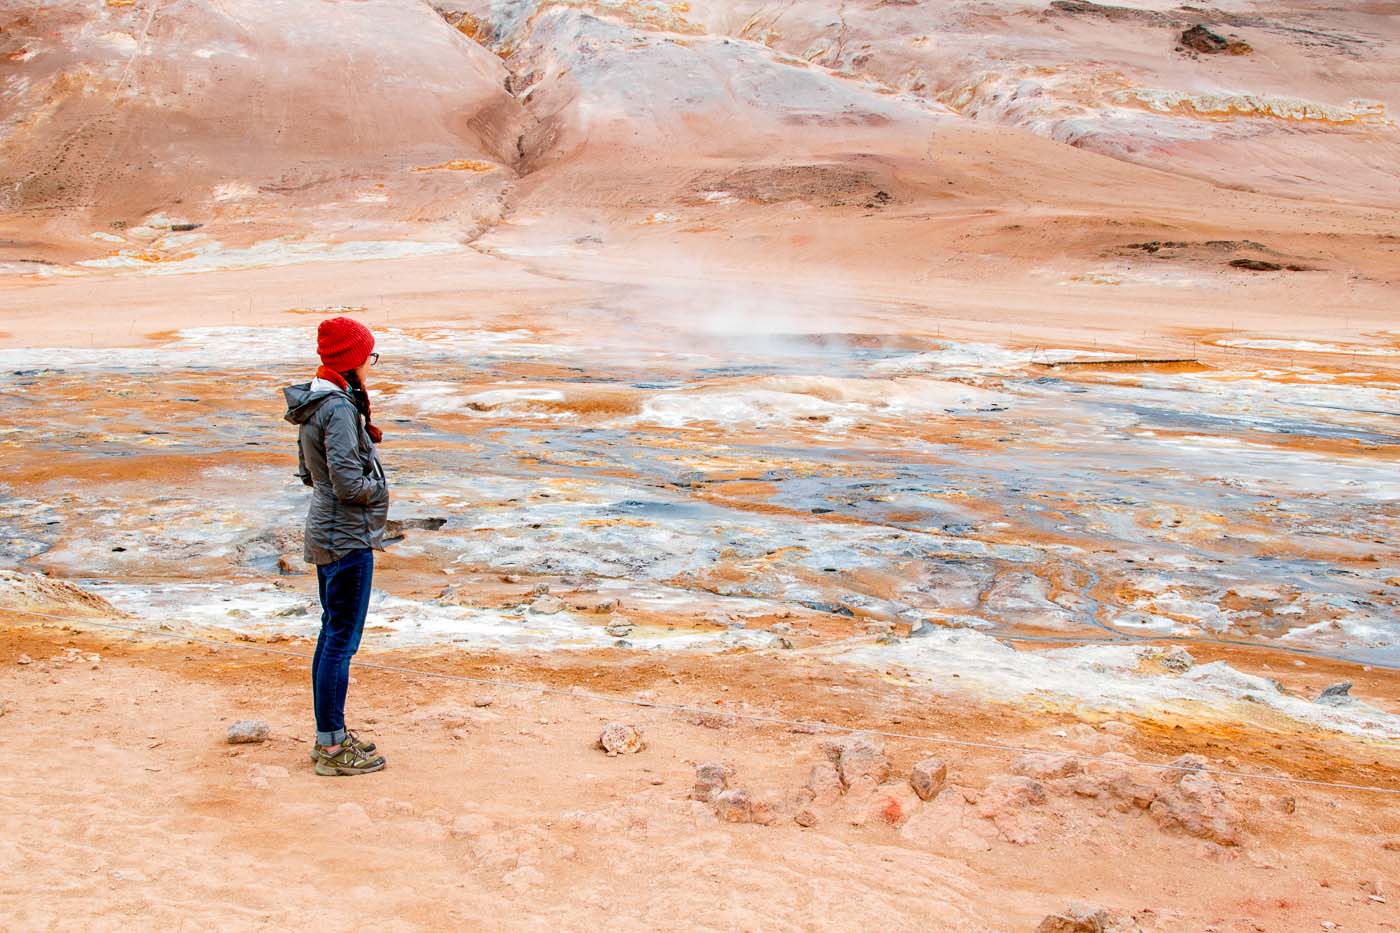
[
  {"x": 1200, "y": 39},
  {"x": 1115, "y": 13},
  {"x": 1337, "y": 694}
]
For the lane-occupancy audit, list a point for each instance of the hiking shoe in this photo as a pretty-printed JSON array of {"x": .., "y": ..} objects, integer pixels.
[
  {"x": 350, "y": 739},
  {"x": 348, "y": 761}
]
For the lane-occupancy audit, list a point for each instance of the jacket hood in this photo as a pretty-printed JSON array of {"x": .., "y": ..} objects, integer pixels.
[{"x": 303, "y": 399}]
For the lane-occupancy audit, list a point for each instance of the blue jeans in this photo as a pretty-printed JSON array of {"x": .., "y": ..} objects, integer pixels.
[{"x": 344, "y": 586}]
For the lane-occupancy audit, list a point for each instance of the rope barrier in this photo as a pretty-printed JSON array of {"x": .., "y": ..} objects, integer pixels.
[{"x": 815, "y": 727}]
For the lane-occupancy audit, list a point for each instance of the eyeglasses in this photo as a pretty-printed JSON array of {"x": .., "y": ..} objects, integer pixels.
[{"x": 373, "y": 358}]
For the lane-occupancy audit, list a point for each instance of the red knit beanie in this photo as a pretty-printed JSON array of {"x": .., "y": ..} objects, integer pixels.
[{"x": 343, "y": 344}]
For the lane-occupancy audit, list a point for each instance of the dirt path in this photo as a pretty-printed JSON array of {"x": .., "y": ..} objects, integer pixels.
[{"x": 128, "y": 809}]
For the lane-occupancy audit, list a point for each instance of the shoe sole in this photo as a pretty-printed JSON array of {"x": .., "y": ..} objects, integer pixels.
[
  {"x": 315, "y": 757},
  {"x": 337, "y": 771}
]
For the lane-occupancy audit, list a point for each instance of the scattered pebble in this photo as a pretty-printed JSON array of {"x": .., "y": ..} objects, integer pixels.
[
  {"x": 547, "y": 605},
  {"x": 248, "y": 731},
  {"x": 928, "y": 777},
  {"x": 24, "y": 659},
  {"x": 711, "y": 779},
  {"x": 483, "y": 701},
  {"x": 618, "y": 738}
]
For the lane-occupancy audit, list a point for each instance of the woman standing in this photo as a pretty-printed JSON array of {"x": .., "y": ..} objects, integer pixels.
[{"x": 336, "y": 457}]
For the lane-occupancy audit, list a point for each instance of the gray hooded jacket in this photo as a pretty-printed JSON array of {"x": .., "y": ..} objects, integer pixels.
[{"x": 335, "y": 457}]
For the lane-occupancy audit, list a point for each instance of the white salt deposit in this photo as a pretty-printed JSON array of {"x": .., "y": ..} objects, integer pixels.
[{"x": 1108, "y": 679}]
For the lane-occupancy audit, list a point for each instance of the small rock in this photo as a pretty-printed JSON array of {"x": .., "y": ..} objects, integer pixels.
[
  {"x": 248, "y": 731},
  {"x": 1077, "y": 918},
  {"x": 547, "y": 605},
  {"x": 290, "y": 566},
  {"x": 711, "y": 779},
  {"x": 858, "y": 759},
  {"x": 618, "y": 738},
  {"x": 1045, "y": 766},
  {"x": 24, "y": 659},
  {"x": 1012, "y": 793},
  {"x": 483, "y": 701},
  {"x": 455, "y": 594},
  {"x": 734, "y": 806},
  {"x": 1255, "y": 265},
  {"x": 1197, "y": 807},
  {"x": 1174, "y": 658},
  {"x": 1183, "y": 765},
  {"x": 824, "y": 785},
  {"x": 618, "y": 629},
  {"x": 1118, "y": 780},
  {"x": 1337, "y": 694},
  {"x": 739, "y": 806},
  {"x": 928, "y": 777},
  {"x": 805, "y": 817},
  {"x": 1200, "y": 39}
]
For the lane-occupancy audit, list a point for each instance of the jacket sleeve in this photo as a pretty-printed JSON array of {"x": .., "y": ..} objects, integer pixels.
[
  {"x": 302, "y": 471},
  {"x": 343, "y": 463}
]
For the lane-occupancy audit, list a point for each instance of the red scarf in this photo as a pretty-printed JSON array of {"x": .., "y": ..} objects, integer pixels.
[{"x": 330, "y": 375}]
